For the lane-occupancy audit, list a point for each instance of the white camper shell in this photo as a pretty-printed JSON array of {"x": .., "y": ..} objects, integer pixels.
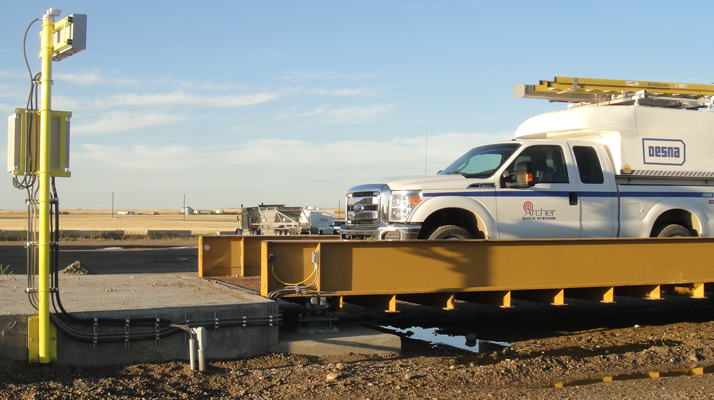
[{"x": 643, "y": 141}]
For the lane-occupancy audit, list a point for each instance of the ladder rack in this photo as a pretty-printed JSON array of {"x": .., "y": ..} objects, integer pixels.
[{"x": 587, "y": 91}]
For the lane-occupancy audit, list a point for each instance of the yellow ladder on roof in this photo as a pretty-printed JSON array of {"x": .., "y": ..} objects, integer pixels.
[{"x": 594, "y": 91}]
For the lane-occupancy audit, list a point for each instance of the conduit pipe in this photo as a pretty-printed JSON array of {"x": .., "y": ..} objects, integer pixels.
[{"x": 198, "y": 338}]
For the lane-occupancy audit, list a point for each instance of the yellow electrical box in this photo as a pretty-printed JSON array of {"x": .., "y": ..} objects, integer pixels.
[{"x": 23, "y": 155}]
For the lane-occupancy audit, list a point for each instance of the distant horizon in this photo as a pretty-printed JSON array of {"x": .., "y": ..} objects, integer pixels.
[{"x": 171, "y": 209}]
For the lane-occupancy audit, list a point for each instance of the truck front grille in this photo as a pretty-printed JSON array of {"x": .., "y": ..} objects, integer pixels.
[{"x": 363, "y": 209}]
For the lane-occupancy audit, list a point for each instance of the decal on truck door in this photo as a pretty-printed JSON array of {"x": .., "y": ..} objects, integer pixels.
[
  {"x": 663, "y": 151},
  {"x": 531, "y": 214}
]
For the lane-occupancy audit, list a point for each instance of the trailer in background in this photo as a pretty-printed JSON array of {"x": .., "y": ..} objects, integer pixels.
[{"x": 279, "y": 219}]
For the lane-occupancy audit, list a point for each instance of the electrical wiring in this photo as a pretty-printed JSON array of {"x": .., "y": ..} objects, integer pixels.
[
  {"x": 24, "y": 41},
  {"x": 293, "y": 287},
  {"x": 29, "y": 179},
  {"x": 272, "y": 270}
]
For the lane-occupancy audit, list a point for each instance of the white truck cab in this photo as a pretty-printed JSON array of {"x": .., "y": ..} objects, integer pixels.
[{"x": 616, "y": 170}]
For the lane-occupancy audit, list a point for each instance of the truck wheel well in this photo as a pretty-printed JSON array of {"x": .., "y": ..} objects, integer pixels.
[
  {"x": 679, "y": 217},
  {"x": 453, "y": 216}
]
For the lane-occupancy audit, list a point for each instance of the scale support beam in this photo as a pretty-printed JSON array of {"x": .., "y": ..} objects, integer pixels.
[{"x": 487, "y": 271}]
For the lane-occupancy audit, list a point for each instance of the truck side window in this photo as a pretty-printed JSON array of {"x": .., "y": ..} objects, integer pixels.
[
  {"x": 548, "y": 164},
  {"x": 588, "y": 164}
]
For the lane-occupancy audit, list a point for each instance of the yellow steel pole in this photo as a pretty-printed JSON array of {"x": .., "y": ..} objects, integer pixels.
[{"x": 44, "y": 191}]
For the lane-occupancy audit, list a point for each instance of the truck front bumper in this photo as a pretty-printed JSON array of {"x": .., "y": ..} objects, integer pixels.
[{"x": 383, "y": 232}]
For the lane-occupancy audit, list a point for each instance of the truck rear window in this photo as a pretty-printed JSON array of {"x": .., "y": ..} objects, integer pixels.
[{"x": 588, "y": 164}]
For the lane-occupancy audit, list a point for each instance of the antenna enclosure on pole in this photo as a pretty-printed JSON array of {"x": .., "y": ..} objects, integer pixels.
[
  {"x": 23, "y": 157},
  {"x": 69, "y": 36}
]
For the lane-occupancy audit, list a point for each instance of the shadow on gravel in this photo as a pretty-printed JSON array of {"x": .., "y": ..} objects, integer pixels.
[
  {"x": 631, "y": 377},
  {"x": 574, "y": 352},
  {"x": 528, "y": 320}
]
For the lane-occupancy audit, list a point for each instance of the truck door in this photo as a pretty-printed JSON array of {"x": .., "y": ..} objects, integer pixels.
[
  {"x": 596, "y": 193},
  {"x": 544, "y": 210}
]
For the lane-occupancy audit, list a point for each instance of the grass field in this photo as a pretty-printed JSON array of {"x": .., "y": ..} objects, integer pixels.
[
  {"x": 101, "y": 220},
  {"x": 104, "y": 220}
]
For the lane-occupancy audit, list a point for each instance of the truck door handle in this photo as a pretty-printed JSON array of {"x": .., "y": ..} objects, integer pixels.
[{"x": 573, "y": 196}]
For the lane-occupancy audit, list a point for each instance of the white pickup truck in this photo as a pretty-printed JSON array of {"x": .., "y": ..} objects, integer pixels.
[{"x": 586, "y": 172}]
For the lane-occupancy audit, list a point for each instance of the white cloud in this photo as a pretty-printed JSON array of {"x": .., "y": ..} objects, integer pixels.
[
  {"x": 207, "y": 85},
  {"x": 172, "y": 99},
  {"x": 293, "y": 172},
  {"x": 299, "y": 76},
  {"x": 119, "y": 121},
  {"x": 15, "y": 75},
  {"x": 345, "y": 115},
  {"x": 172, "y": 158},
  {"x": 94, "y": 78},
  {"x": 292, "y": 157},
  {"x": 344, "y": 92},
  {"x": 377, "y": 157},
  {"x": 181, "y": 99}
]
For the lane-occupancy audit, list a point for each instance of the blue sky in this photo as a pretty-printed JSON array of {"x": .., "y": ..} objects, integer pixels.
[{"x": 238, "y": 102}]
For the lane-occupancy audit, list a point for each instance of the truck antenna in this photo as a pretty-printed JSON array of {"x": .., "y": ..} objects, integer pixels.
[{"x": 426, "y": 149}]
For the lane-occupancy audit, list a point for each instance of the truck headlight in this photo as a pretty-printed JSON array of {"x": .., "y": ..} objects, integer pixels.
[{"x": 402, "y": 203}]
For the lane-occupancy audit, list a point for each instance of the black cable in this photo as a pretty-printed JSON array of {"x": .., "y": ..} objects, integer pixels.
[
  {"x": 28, "y": 181},
  {"x": 24, "y": 41}
]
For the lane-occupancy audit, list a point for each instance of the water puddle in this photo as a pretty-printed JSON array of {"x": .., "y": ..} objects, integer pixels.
[
  {"x": 628, "y": 377},
  {"x": 111, "y": 248},
  {"x": 430, "y": 335},
  {"x": 183, "y": 247},
  {"x": 507, "y": 353}
]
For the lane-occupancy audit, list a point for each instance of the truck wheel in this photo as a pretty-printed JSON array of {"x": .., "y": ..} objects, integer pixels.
[
  {"x": 450, "y": 232},
  {"x": 673, "y": 230}
]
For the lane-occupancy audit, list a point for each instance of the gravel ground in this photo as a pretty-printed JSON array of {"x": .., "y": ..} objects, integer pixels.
[{"x": 634, "y": 349}]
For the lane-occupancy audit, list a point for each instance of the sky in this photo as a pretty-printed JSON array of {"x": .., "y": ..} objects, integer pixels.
[{"x": 294, "y": 102}]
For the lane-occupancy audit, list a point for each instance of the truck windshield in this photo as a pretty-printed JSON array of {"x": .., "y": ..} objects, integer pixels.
[{"x": 481, "y": 162}]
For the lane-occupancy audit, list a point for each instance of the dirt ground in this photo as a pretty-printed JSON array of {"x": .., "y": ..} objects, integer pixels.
[{"x": 633, "y": 349}]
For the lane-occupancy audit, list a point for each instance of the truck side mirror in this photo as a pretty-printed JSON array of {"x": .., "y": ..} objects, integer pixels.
[{"x": 523, "y": 174}]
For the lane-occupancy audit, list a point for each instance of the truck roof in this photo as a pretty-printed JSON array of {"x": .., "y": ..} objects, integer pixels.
[{"x": 588, "y": 123}]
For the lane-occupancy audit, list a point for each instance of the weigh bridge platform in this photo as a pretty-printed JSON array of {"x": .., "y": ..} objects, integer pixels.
[{"x": 437, "y": 273}]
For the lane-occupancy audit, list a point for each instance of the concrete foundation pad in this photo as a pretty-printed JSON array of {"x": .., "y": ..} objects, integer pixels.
[
  {"x": 350, "y": 339},
  {"x": 175, "y": 298}
]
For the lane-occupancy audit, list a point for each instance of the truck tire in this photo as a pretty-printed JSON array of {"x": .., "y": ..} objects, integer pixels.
[
  {"x": 450, "y": 232},
  {"x": 673, "y": 230}
]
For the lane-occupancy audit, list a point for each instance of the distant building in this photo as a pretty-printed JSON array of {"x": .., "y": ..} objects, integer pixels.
[
  {"x": 126, "y": 213},
  {"x": 203, "y": 212},
  {"x": 186, "y": 210}
]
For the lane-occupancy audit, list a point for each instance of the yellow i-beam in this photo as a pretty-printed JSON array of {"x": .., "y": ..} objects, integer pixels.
[{"x": 44, "y": 192}]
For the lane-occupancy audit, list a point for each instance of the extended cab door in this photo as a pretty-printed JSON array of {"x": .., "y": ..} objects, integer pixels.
[
  {"x": 597, "y": 194},
  {"x": 547, "y": 209}
]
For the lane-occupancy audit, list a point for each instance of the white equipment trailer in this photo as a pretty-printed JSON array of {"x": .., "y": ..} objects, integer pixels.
[{"x": 278, "y": 219}]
